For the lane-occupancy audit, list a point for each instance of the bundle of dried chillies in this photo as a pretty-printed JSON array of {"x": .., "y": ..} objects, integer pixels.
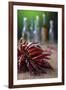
[{"x": 32, "y": 58}]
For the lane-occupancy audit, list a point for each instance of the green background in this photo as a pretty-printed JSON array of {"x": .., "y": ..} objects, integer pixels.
[{"x": 32, "y": 14}]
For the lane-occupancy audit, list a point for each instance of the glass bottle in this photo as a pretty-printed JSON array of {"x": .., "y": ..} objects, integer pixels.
[
  {"x": 51, "y": 32},
  {"x": 44, "y": 19},
  {"x": 44, "y": 30},
  {"x": 35, "y": 34},
  {"x": 31, "y": 29},
  {"x": 36, "y": 30},
  {"x": 25, "y": 32}
]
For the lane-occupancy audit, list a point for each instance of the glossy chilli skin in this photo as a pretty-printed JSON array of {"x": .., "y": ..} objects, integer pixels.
[{"x": 32, "y": 58}]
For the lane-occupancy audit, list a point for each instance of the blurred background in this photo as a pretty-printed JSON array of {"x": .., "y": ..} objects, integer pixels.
[{"x": 41, "y": 18}]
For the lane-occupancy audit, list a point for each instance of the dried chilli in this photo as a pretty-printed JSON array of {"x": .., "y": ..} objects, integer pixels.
[{"x": 32, "y": 58}]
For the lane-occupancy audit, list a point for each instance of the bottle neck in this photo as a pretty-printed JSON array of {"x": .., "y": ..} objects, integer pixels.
[
  {"x": 51, "y": 24},
  {"x": 51, "y": 27},
  {"x": 25, "y": 23},
  {"x": 31, "y": 25},
  {"x": 37, "y": 21},
  {"x": 35, "y": 28},
  {"x": 44, "y": 19}
]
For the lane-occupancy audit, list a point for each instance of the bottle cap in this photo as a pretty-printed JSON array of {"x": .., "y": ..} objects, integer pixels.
[
  {"x": 25, "y": 18},
  {"x": 37, "y": 17},
  {"x": 43, "y": 15},
  {"x": 51, "y": 21}
]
